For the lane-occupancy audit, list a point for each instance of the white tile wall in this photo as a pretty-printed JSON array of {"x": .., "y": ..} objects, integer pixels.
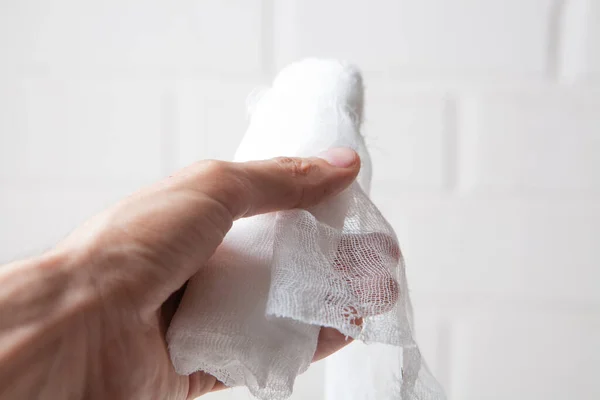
[
  {"x": 483, "y": 118},
  {"x": 580, "y": 61},
  {"x": 532, "y": 141},
  {"x": 81, "y": 129},
  {"x": 419, "y": 37},
  {"x": 34, "y": 216},
  {"x": 546, "y": 357},
  {"x": 133, "y": 36},
  {"x": 411, "y": 152},
  {"x": 210, "y": 117}
]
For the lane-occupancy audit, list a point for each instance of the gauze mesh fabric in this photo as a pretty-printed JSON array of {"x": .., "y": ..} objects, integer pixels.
[{"x": 251, "y": 316}]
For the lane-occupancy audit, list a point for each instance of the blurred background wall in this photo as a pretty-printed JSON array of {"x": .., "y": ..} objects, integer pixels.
[{"x": 483, "y": 119}]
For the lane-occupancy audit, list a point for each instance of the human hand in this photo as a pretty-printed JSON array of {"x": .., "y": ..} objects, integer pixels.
[{"x": 92, "y": 322}]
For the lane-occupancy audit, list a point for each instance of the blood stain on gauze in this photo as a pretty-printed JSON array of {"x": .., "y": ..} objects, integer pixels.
[{"x": 375, "y": 287}]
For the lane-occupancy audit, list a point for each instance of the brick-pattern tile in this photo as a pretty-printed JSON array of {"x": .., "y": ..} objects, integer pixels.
[
  {"x": 210, "y": 118},
  {"x": 432, "y": 36},
  {"x": 526, "y": 356},
  {"x": 34, "y": 219},
  {"x": 407, "y": 136},
  {"x": 546, "y": 140},
  {"x": 579, "y": 59},
  {"x": 345, "y": 377},
  {"x": 80, "y": 130},
  {"x": 133, "y": 36}
]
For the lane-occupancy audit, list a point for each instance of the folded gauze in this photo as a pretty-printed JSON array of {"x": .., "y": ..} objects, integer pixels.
[{"x": 251, "y": 316}]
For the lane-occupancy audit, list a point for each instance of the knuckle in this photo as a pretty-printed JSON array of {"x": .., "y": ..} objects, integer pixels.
[
  {"x": 219, "y": 181},
  {"x": 212, "y": 167}
]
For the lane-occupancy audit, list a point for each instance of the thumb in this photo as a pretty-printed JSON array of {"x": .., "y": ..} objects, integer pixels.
[{"x": 256, "y": 187}]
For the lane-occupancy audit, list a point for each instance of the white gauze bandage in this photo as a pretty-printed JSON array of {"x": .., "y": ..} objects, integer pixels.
[{"x": 251, "y": 316}]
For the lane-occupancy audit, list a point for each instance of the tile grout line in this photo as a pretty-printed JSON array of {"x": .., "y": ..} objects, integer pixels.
[
  {"x": 450, "y": 144},
  {"x": 555, "y": 39}
]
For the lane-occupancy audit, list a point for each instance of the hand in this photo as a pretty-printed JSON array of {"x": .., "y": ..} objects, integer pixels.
[{"x": 88, "y": 319}]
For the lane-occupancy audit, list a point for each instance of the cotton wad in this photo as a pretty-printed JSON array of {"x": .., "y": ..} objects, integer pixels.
[{"x": 251, "y": 316}]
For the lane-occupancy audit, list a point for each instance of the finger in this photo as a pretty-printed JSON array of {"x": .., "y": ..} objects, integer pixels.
[
  {"x": 219, "y": 386},
  {"x": 200, "y": 383},
  {"x": 330, "y": 340},
  {"x": 256, "y": 187}
]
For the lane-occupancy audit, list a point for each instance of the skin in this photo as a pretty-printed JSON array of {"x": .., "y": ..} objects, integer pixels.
[{"x": 87, "y": 320}]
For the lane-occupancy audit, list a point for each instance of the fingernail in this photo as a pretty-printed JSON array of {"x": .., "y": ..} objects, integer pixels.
[{"x": 342, "y": 157}]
